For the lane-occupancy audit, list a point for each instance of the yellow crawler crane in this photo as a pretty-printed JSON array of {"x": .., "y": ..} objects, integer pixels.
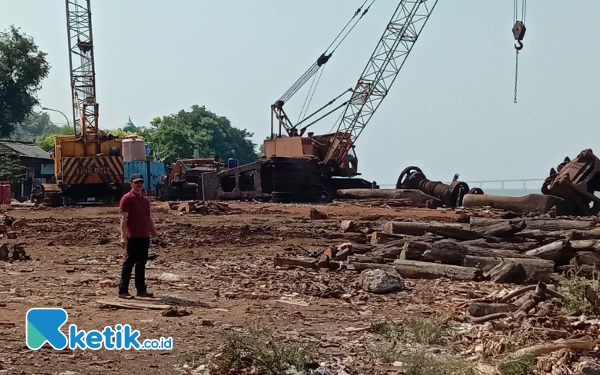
[{"x": 88, "y": 165}]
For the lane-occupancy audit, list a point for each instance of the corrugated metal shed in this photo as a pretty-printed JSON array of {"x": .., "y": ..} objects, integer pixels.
[{"x": 22, "y": 149}]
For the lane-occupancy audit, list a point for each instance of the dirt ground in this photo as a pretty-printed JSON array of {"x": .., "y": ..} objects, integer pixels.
[{"x": 225, "y": 262}]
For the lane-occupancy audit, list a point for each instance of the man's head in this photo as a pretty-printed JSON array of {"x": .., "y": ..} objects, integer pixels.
[{"x": 137, "y": 183}]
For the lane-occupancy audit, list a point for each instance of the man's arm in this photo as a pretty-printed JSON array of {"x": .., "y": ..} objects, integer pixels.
[
  {"x": 124, "y": 211},
  {"x": 124, "y": 229},
  {"x": 152, "y": 229}
]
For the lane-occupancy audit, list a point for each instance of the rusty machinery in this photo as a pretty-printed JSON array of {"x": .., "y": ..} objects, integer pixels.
[
  {"x": 451, "y": 195},
  {"x": 185, "y": 177},
  {"x": 575, "y": 181},
  {"x": 88, "y": 165},
  {"x": 316, "y": 166}
]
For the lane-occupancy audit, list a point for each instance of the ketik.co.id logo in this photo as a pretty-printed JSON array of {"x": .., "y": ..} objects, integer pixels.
[{"x": 43, "y": 325}]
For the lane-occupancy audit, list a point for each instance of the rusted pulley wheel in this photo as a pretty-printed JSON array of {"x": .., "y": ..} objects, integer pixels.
[{"x": 405, "y": 175}]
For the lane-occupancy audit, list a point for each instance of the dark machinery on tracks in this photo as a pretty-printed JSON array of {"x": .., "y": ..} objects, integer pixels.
[{"x": 299, "y": 168}]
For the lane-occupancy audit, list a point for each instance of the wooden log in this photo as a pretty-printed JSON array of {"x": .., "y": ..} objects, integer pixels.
[
  {"x": 585, "y": 245},
  {"x": 476, "y": 309},
  {"x": 452, "y": 252},
  {"x": 580, "y": 344},
  {"x": 535, "y": 269},
  {"x": 589, "y": 258},
  {"x": 508, "y": 271},
  {"x": 359, "y": 238},
  {"x": 558, "y": 251},
  {"x": 415, "y": 228},
  {"x": 380, "y": 238},
  {"x": 412, "y": 194},
  {"x": 413, "y": 251},
  {"x": 524, "y": 246},
  {"x": 534, "y": 234},
  {"x": 541, "y": 224},
  {"x": 506, "y": 228},
  {"x": 422, "y": 270},
  {"x": 527, "y": 204}
]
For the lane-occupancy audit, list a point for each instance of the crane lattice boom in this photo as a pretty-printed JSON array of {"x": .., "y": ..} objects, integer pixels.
[
  {"x": 383, "y": 67},
  {"x": 81, "y": 61}
]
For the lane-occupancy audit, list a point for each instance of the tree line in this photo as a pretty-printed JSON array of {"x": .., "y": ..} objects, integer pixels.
[{"x": 23, "y": 68}]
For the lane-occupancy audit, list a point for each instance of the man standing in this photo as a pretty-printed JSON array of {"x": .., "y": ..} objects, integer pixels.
[{"x": 136, "y": 229}]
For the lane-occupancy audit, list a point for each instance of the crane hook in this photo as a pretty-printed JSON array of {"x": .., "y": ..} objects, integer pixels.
[{"x": 520, "y": 46}]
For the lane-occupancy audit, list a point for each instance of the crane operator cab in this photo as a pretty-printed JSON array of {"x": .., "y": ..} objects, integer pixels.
[{"x": 352, "y": 165}]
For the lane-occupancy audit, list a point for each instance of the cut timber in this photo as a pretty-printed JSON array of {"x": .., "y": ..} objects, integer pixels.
[
  {"x": 508, "y": 271},
  {"x": 558, "y": 251},
  {"x": 580, "y": 344},
  {"x": 589, "y": 258},
  {"x": 413, "y": 251},
  {"x": 412, "y": 194},
  {"x": 477, "y": 309},
  {"x": 527, "y": 204},
  {"x": 543, "y": 225},
  {"x": 585, "y": 245},
  {"x": 506, "y": 228},
  {"x": 380, "y": 238},
  {"x": 452, "y": 252},
  {"x": 536, "y": 269},
  {"x": 501, "y": 246},
  {"x": 415, "y": 228},
  {"x": 133, "y": 305},
  {"x": 534, "y": 234},
  {"x": 305, "y": 262},
  {"x": 421, "y": 270}
]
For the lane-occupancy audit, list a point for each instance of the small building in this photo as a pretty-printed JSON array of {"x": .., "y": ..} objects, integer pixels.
[{"x": 34, "y": 160}]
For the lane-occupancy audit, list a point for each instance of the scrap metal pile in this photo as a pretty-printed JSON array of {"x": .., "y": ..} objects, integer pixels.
[{"x": 569, "y": 190}]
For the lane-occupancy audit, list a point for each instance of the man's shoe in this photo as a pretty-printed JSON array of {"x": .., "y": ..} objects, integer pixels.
[
  {"x": 126, "y": 296},
  {"x": 145, "y": 294}
]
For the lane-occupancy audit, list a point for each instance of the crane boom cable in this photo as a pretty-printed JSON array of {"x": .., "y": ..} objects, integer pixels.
[
  {"x": 388, "y": 58},
  {"x": 322, "y": 60},
  {"x": 323, "y": 107},
  {"x": 348, "y": 23},
  {"x": 311, "y": 93},
  {"x": 314, "y": 89}
]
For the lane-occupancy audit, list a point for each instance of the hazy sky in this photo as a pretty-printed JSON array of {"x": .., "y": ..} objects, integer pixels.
[{"x": 450, "y": 111}]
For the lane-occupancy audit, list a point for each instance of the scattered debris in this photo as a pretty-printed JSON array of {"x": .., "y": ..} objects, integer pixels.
[
  {"x": 317, "y": 215},
  {"x": 166, "y": 276},
  {"x": 381, "y": 281},
  {"x": 173, "y": 312},
  {"x": 12, "y": 252},
  {"x": 200, "y": 207}
]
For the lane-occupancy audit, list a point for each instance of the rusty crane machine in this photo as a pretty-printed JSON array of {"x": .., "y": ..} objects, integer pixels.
[
  {"x": 313, "y": 167},
  {"x": 88, "y": 166}
]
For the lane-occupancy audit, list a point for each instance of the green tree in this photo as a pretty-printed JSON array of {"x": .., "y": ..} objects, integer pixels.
[
  {"x": 22, "y": 68},
  {"x": 47, "y": 142},
  {"x": 11, "y": 169},
  {"x": 36, "y": 126},
  {"x": 179, "y": 135}
]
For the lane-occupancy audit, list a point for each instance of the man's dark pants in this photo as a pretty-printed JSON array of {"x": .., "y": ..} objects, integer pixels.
[{"x": 137, "y": 254}]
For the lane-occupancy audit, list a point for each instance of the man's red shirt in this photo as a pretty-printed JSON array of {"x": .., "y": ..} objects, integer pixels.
[{"x": 138, "y": 220}]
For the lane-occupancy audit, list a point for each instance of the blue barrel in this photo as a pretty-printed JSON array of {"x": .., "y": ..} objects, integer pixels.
[
  {"x": 147, "y": 148},
  {"x": 232, "y": 163}
]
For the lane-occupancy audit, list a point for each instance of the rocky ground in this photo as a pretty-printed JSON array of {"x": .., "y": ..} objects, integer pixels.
[{"x": 233, "y": 311}]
